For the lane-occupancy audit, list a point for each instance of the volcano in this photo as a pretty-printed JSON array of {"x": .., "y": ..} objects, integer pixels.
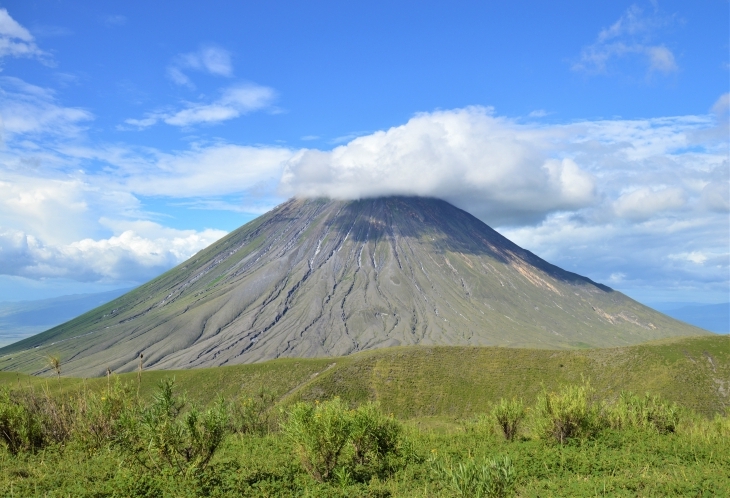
[{"x": 318, "y": 277}]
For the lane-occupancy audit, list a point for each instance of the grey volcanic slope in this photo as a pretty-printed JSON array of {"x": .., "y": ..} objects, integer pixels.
[{"x": 320, "y": 277}]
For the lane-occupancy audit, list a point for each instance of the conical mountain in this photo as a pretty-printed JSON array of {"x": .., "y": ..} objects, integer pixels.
[{"x": 322, "y": 277}]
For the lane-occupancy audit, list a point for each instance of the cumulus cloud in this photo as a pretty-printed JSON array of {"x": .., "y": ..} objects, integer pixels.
[
  {"x": 234, "y": 101},
  {"x": 60, "y": 210},
  {"x": 639, "y": 203},
  {"x": 467, "y": 156},
  {"x": 128, "y": 256},
  {"x": 510, "y": 173},
  {"x": 613, "y": 199},
  {"x": 15, "y": 40},
  {"x": 210, "y": 59},
  {"x": 633, "y": 35}
]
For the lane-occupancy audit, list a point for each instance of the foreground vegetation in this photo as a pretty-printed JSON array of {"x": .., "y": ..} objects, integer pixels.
[{"x": 111, "y": 440}]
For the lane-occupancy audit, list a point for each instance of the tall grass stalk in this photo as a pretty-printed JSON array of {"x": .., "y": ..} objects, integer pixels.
[
  {"x": 508, "y": 415},
  {"x": 566, "y": 414}
]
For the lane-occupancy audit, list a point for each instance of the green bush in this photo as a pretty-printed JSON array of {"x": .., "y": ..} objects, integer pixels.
[
  {"x": 567, "y": 414},
  {"x": 488, "y": 478},
  {"x": 99, "y": 415},
  {"x": 508, "y": 415},
  {"x": 335, "y": 442},
  {"x": 20, "y": 428},
  {"x": 635, "y": 412},
  {"x": 161, "y": 436},
  {"x": 319, "y": 433},
  {"x": 253, "y": 415},
  {"x": 373, "y": 435},
  {"x": 30, "y": 421}
]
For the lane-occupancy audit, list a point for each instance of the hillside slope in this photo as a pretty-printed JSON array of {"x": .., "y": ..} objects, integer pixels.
[
  {"x": 22, "y": 319},
  {"x": 329, "y": 278},
  {"x": 454, "y": 381}
]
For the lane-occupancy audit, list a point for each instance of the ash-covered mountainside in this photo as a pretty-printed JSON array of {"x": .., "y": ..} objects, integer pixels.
[{"x": 322, "y": 277}]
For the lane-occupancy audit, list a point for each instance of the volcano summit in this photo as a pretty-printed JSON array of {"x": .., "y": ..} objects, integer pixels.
[{"x": 322, "y": 277}]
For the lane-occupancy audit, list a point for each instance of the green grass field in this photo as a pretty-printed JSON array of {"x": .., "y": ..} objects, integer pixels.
[
  {"x": 441, "y": 399},
  {"x": 458, "y": 382}
]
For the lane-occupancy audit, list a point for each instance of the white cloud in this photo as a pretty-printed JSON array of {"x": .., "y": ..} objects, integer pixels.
[
  {"x": 664, "y": 254},
  {"x": 211, "y": 170},
  {"x": 632, "y": 35},
  {"x": 510, "y": 173},
  {"x": 613, "y": 199},
  {"x": 610, "y": 199},
  {"x": 235, "y": 101},
  {"x": 643, "y": 203},
  {"x": 661, "y": 59},
  {"x": 128, "y": 256},
  {"x": 214, "y": 170},
  {"x": 15, "y": 40},
  {"x": 721, "y": 107},
  {"x": 209, "y": 59},
  {"x": 467, "y": 156},
  {"x": 695, "y": 257},
  {"x": 63, "y": 209},
  {"x": 27, "y": 109}
]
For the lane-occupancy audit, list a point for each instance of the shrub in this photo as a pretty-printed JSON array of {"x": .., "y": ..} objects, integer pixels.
[
  {"x": 29, "y": 420},
  {"x": 373, "y": 435},
  {"x": 567, "y": 414},
  {"x": 319, "y": 433},
  {"x": 99, "y": 415},
  {"x": 253, "y": 415},
  {"x": 509, "y": 415},
  {"x": 20, "y": 428},
  {"x": 632, "y": 411},
  {"x": 480, "y": 425},
  {"x": 161, "y": 436},
  {"x": 334, "y": 442},
  {"x": 489, "y": 478}
]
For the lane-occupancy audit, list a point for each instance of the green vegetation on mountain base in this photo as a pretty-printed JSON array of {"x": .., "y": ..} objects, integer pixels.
[
  {"x": 451, "y": 383},
  {"x": 167, "y": 448}
]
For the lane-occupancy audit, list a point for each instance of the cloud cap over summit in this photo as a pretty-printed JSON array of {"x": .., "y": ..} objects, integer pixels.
[{"x": 467, "y": 156}]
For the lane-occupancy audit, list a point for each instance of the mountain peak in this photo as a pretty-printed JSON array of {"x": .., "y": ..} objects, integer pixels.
[{"x": 319, "y": 277}]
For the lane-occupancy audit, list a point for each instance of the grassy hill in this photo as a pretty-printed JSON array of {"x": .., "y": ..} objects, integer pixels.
[
  {"x": 438, "y": 447},
  {"x": 458, "y": 382}
]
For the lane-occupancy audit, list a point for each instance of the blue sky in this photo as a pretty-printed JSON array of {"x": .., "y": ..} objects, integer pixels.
[{"x": 593, "y": 133}]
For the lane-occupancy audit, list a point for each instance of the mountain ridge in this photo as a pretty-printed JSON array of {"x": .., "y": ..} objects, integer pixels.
[{"x": 318, "y": 277}]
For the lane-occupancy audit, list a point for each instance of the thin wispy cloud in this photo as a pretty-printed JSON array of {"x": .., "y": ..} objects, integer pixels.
[
  {"x": 209, "y": 59},
  {"x": 16, "y": 41},
  {"x": 632, "y": 36},
  {"x": 115, "y": 20},
  {"x": 29, "y": 109},
  {"x": 235, "y": 101}
]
